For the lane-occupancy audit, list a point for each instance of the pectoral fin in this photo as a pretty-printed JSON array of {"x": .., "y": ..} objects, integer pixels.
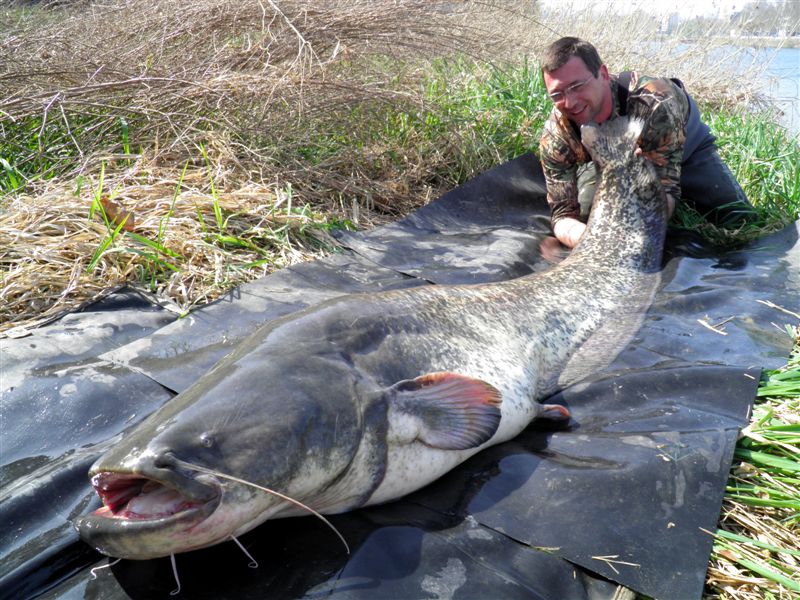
[{"x": 443, "y": 410}]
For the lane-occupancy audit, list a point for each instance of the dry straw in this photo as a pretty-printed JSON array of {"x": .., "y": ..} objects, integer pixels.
[
  {"x": 252, "y": 81},
  {"x": 259, "y": 82},
  {"x": 49, "y": 242}
]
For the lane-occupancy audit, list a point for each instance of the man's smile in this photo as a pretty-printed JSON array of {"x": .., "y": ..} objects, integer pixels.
[{"x": 577, "y": 114}]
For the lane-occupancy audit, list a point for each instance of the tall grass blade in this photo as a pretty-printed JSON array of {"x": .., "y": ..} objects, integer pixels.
[
  {"x": 753, "y": 542},
  {"x": 768, "y": 460}
]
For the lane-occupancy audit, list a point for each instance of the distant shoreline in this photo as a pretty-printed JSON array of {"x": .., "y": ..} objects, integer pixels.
[{"x": 753, "y": 41}]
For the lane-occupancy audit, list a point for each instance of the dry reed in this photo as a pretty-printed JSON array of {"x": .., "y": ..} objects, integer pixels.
[
  {"x": 260, "y": 75},
  {"x": 264, "y": 82},
  {"x": 48, "y": 241}
]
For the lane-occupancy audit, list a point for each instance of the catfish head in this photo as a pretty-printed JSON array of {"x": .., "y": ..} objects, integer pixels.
[{"x": 175, "y": 482}]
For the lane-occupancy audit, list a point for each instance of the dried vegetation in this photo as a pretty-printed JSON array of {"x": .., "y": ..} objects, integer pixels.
[
  {"x": 250, "y": 97},
  {"x": 308, "y": 96}
]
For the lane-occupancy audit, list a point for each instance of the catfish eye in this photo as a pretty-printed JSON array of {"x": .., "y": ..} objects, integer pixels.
[{"x": 207, "y": 440}]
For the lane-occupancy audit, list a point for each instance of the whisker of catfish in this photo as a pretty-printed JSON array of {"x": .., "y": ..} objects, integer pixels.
[{"x": 269, "y": 491}]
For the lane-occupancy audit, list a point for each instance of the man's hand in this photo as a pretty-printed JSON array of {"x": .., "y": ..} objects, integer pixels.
[{"x": 568, "y": 231}]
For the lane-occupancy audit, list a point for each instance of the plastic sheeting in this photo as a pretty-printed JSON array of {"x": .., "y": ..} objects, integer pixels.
[{"x": 625, "y": 493}]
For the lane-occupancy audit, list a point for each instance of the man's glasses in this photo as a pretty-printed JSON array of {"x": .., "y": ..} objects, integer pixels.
[{"x": 573, "y": 89}]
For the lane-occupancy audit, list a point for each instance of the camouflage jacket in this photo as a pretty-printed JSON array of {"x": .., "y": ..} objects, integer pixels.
[{"x": 662, "y": 105}]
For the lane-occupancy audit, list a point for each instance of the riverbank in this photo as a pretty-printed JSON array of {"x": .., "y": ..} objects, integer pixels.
[{"x": 749, "y": 41}]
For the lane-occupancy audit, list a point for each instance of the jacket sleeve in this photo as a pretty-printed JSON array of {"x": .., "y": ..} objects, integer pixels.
[
  {"x": 559, "y": 163},
  {"x": 664, "y": 108}
]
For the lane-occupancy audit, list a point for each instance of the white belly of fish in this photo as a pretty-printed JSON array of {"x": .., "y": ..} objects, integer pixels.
[{"x": 411, "y": 466}]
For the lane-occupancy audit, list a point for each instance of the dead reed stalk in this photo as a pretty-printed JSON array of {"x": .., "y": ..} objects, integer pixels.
[{"x": 138, "y": 87}]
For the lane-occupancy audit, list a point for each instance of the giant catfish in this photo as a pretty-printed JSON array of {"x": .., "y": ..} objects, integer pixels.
[{"x": 365, "y": 398}]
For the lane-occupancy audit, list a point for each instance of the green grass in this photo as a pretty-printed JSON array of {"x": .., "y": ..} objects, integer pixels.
[
  {"x": 36, "y": 148},
  {"x": 495, "y": 111},
  {"x": 764, "y": 159},
  {"x": 465, "y": 118},
  {"x": 757, "y": 542}
]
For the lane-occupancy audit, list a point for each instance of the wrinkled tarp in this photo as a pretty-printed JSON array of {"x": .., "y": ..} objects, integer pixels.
[{"x": 626, "y": 492}]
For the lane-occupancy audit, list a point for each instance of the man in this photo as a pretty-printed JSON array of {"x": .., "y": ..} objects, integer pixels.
[{"x": 674, "y": 138}]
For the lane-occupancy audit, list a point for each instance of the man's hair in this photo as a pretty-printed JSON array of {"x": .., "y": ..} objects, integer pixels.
[{"x": 559, "y": 52}]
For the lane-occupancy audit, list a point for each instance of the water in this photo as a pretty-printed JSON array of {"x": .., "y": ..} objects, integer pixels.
[
  {"x": 779, "y": 77},
  {"x": 781, "y": 82}
]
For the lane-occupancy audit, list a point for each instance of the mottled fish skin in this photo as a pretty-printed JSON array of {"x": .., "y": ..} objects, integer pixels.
[{"x": 347, "y": 403}]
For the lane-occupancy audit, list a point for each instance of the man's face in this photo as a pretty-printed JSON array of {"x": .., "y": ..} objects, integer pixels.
[{"x": 581, "y": 96}]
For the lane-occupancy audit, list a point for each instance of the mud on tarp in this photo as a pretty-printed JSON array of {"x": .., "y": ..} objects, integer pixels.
[{"x": 622, "y": 494}]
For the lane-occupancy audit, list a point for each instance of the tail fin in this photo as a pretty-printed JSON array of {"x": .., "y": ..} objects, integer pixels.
[{"x": 614, "y": 140}]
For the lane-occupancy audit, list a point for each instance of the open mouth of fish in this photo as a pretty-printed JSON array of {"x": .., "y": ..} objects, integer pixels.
[
  {"x": 138, "y": 499},
  {"x": 146, "y": 517}
]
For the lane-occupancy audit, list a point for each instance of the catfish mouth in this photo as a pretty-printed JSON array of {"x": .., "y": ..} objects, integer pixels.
[
  {"x": 135, "y": 498},
  {"x": 142, "y": 502},
  {"x": 144, "y": 517}
]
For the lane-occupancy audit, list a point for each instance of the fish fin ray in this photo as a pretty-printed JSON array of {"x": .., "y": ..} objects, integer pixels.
[
  {"x": 444, "y": 410},
  {"x": 554, "y": 412}
]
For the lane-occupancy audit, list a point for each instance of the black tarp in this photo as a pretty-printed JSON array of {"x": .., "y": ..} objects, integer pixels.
[{"x": 625, "y": 493}]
